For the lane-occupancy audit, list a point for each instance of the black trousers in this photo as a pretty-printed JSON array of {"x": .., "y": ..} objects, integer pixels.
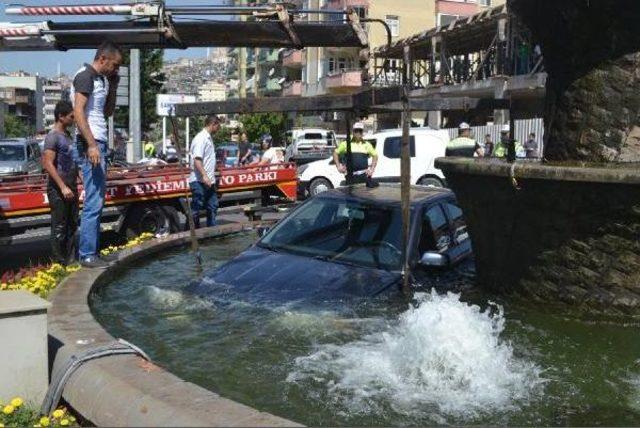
[{"x": 64, "y": 223}]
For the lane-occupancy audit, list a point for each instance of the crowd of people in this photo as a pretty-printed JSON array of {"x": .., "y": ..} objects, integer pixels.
[
  {"x": 464, "y": 145},
  {"x": 66, "y": 157}
]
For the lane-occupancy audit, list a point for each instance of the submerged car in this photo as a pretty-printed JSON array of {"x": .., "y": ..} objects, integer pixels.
[{"x": 347, "y": 241}]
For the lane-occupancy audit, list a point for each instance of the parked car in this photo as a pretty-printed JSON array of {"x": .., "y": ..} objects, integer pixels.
[
  {"x": 347, "y": 241},
  {"x": 426, "y": 145},
  {"x": 20, "y": 156},
  {"x": 308, "y": 145},
  {"x": 227, "y": 155}
]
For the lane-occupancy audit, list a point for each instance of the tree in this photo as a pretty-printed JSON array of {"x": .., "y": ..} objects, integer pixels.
[
  {"x": 16, "y": 127},
  {"x": 151, "y": 83},
  {"x": 257, "y": 124}
]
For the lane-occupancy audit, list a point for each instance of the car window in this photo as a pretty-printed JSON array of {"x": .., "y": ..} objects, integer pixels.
[
  {"x": 458, "y": 225},
  {"x": 435, "y": 231},
  {"x": 372, "y": 141},
  {"x": 36, "y": 151},
  {"x": 392, "y": 147},
  {"x": 29, "y": 151},
  {"x": 10, "y": 153},
  {"x": 313, "y": 136}
]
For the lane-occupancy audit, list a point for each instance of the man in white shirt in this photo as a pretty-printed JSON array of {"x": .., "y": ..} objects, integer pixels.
[{"x": 202, "y": 180}]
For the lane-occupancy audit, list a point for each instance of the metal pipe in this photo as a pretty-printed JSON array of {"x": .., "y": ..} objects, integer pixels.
[
  {"x": 104, "y": 31},
  {"x": 405, "y": 171},
  {"x": 70, "y": 10}
]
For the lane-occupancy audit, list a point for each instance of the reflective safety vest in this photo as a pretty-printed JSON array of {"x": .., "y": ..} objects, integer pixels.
[
  {"x": 149, "y": 150},
  {"x": 361, "y": 151},
  {"x": 500, "y": 151},
  {"x": 461, "y": 146}
]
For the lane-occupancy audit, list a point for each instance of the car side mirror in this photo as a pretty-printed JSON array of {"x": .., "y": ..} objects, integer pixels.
[{"x": 433, "y": 259}]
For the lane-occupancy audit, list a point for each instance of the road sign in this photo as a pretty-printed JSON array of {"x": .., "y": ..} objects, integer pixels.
[{"x": 165, "y": 102}]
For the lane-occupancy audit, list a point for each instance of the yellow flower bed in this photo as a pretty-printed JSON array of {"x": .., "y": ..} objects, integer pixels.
[
  {"x": 132, "y": 243},
  {"x": 41, "y": 280},
  {"x": 16, "y": 414}
]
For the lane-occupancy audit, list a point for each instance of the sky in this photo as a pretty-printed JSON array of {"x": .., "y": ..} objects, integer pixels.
[{"x": 46, "y": 63}]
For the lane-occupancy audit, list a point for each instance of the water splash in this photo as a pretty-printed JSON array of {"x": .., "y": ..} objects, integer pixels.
[
  {"x": 171, "y": 300},
  {"x": 443, "y": 358}
]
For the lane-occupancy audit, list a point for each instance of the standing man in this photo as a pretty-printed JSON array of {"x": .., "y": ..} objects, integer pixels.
[
  {"x": 531, "y": 147},
  {"x": 488, "y": 146},
  {"x": 202, "y": 180},
  {"x": 244, "y": 150},
  {"x": 62, "y": 186},
  {"x": 94, "y": 99},
  {"x": 361, "y": 151},
  {"x": 464, "y": 145},
  {"x": 501, "y": 148}
]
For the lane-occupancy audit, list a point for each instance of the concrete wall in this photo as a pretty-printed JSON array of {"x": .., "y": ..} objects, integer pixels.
[
  {"x": 23, "y": 360},
  {"x": 556, "y": 234}
]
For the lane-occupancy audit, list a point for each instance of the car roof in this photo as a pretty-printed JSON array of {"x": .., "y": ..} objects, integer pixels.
[
  {"x": 413, "y": 131},
  {"x": 388, "y": 193},
  {"x": 16, "y": 141}
]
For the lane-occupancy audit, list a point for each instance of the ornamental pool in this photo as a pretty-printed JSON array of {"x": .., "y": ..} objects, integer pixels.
[{"x": 434, "y": 359}]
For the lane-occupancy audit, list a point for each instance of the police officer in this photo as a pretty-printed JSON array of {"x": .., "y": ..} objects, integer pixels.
[
  {"x": 464, "y": 145},
  {"x": 149, "y": 150},
  {"x": 502, "y": 148},
  {"x": 361, "y": 151}
]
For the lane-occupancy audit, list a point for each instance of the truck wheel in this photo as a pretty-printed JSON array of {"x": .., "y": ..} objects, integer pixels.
[
  {"x": 156, "y": 219},
  {"x": 319, "y": 185},
  {"x": 430, "y": 182}
]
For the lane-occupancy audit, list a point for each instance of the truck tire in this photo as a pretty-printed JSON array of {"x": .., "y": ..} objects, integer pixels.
[
  {"x": 153, "y": 218},
  {"x": 430, "y": 182},
  {"x": 319, "y": 185}
]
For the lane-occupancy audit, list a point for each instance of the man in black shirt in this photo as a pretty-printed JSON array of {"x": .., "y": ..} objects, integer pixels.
[
  {"x": 244, "y": 150},
  {"x": 62, "y": 187}
]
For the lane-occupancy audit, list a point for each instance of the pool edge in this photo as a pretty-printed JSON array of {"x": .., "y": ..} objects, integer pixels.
[{"x": 126, "y": 390}]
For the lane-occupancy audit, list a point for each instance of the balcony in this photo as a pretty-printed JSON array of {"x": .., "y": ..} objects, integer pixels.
[
  {"x": 292, "y": 89},
  {"x": 294, "y": 58},
  {"x": 343, "y": 82}
]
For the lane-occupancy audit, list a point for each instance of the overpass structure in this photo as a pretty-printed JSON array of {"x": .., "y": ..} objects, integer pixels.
[{"x": 490, "y": 55}]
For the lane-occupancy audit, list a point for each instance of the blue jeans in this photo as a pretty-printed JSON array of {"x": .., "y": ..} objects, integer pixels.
[
  {"x": 203, "y": 197},
  {"x": 94, "y": 180}
]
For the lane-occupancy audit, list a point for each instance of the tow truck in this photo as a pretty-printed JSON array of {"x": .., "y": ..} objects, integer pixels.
[{"x": 140, "y": 198}]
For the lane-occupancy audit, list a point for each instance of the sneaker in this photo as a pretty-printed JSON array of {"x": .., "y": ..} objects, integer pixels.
[{"x": 93, "y": 262}]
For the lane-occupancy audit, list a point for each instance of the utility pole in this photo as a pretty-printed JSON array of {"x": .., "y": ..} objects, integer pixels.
[
  {"x": 135, "y": 117},
  {"x": 405, "y": 171},
  {"x": 242, "y": 63}
]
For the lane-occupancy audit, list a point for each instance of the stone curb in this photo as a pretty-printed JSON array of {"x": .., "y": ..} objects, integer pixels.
[
  {"x": 126, "y": 390},
  {"x": 536, "y": 170}
]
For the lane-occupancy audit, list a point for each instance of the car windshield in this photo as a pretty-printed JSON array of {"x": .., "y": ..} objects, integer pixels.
[
  {"x": 11, "y": 153},
  {"x": 342, "y": 231}
]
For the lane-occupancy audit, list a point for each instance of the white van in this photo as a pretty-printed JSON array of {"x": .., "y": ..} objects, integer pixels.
[
  {"x": 426, "y": 145},
  {"x": 309, "y": 144}
]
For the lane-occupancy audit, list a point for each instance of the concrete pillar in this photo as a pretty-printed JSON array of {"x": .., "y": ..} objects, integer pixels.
[
  {"x": 24, "y": 357},
  {"x": 434, "y": 119},
  {"x": 500, "y": 117}
]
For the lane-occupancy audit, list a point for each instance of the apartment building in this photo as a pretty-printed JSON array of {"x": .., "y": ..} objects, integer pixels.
[
  {"x": 213, "y": 90},
  {"x": 24, "y": 96},
  {"x": 54, "y": 91}
]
